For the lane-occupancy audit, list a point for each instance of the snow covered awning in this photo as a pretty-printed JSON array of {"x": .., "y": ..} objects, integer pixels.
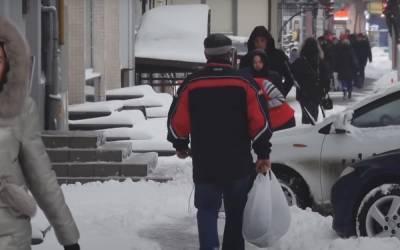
[{"x": 173, "y": 33}]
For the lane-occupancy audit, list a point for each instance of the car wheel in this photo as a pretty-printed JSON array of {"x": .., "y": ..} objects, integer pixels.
[
  {"x": 379, "y": 212},
  {"x": 295, "y": 190}
]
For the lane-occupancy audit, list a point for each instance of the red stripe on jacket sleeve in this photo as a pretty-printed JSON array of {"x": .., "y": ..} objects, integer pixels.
[
  {"x": 257, "y": 116},
  {"x": 180, "y": 120}
]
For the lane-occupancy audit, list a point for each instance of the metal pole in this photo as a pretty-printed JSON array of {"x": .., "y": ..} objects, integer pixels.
[{"x": 55, "y": 95}]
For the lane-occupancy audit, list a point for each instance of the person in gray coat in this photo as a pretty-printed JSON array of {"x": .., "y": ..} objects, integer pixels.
[{"x": 25, "y": 164}]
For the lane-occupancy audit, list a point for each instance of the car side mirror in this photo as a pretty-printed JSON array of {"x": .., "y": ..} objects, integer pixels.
[{"x": 342, "y": 121}]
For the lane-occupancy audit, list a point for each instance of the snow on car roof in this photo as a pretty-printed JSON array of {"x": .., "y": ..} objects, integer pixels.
[{"x": 173, "y": 32}]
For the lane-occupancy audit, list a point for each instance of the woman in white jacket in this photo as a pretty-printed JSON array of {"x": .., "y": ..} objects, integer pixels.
[{"x": 23, "y": 160}]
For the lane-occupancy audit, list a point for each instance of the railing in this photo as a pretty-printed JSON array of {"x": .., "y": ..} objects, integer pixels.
[{"x": 162, "y": 82}]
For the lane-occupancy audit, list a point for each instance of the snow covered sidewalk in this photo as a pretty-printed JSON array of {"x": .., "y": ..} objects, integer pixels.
[{"x": 153, "y": 216}]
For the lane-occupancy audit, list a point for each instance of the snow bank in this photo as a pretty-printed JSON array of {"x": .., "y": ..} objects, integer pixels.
[
  {"x": 380, "y": 63},
  {"x": 150, "y": 100},
  {"x": 152, "y": 145},
  {"x": 173, "y": 32},
  {"x": 157, "y": 111},
  {"x": 139, "y": 90},
  {"x": 131, "y": 133},
  {"x": 107, "y": 106},
  {"x": 148, "y": 134},
  {"x": 122, "y": 117}
]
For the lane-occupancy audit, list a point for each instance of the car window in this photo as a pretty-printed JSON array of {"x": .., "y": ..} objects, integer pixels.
[{"x": 382, "y": 112}]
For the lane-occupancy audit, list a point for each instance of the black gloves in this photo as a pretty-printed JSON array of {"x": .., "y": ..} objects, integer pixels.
[{"x": 72, "y": 247}]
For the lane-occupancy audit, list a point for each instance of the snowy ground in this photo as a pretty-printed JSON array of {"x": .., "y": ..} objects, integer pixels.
[{"x": 148, "y": 215}]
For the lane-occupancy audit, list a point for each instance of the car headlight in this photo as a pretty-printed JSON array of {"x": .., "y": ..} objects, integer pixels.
[{"x": 347, "y": 171}]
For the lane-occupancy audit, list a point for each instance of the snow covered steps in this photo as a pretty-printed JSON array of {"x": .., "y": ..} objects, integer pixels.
[
  {"x": 72, "y": 180},
  {"x": 109, "y": 152},
  {"x": 138, "y": 165},
  {"x": 72, "y": 139},
  {"x": 122, "y": 119},
  {"x": 86, "y": 156},
  {"x": 93, "y": 109}
]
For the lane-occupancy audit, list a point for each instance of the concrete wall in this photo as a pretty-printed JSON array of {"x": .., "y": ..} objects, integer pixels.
[
  {"x": 124, "y": 11},
  {"x": 276, "y": 19},
  {"x": 88, "y": 34},
  {"x": 222, "y": 16},
  {"x": 112, "y": 74},
  {"x": 250, "y": 14},
  {"x": 75, "y": 45},
  {"x": 106, "y": 44},
  {"x": 239, "y": 17}
]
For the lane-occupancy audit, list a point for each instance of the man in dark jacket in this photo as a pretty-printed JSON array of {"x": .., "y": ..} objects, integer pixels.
[
  {"x": 224, "y": 114},
  {"x": 347, "y": 67},
  {"x": 363, "y": 52},
  {"x": 260, "y": 38}
]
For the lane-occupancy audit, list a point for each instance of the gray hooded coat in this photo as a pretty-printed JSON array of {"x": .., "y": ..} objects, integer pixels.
[{"x": 22, "y": 154}]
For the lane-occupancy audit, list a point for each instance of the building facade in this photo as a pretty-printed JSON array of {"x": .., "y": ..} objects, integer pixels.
[{"x": 234, "y": 17}]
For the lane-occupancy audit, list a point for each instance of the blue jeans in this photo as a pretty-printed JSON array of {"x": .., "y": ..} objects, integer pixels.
[
  {"x": 347, "y": 85},
  {"x": 208, "y": 200}
]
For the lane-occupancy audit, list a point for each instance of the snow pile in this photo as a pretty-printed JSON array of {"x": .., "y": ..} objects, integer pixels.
[
  {"x": 106, "y": 106},
  {"x": 173, "y": 32},
  {"x": 131, "y": 133},
  {"x": 123, "y": 117},
  {"x": 150, "y": 100},
  {"x": 146, "y": 135},
  {"x": 380, "y": 65},
  {"x": 139, "y": 90},
  {"x": 148, "y": 215},
  {"x": 157, "y": 129}
]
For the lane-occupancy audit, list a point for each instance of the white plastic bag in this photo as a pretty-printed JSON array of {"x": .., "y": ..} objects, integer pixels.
[{"x": 266, "y": 216}]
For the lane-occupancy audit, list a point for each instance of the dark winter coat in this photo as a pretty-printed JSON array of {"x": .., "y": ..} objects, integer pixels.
[
  {"x": 223, "y": 113},
  {"x": 347, "y": 64},
  {"x": 313, "y": 85},
  {"x": 266, "y": 72},
  {"x": 277, "y": 59},
  {"x": 362, "y": 49},
  {"x": 328, "y": 48}
]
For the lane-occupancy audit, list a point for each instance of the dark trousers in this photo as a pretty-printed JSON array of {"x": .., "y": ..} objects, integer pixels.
[
  {"x": 208, "y": 200},
  {"x": 312, "y": 108},
  {"x": 347, "y": 85},
  {"x": 360, "y": 79}
]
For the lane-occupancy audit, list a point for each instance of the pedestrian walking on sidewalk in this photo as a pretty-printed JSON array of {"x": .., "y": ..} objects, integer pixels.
[
  {"x": 260, "y": 38},
  {"x": 347, "y": 67},
  {"x": 363, "y": 52},
  {"x": 222, "y": 114},
  {"x": 281, "y": 115},
  {"x": 24, "y": 161},
  {"x": 312, "y": 75}
]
